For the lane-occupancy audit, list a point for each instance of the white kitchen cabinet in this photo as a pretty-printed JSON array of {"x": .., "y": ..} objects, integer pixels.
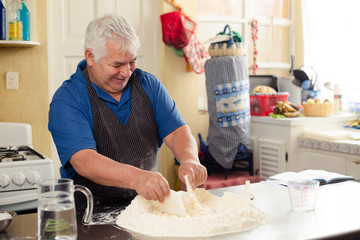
[
  {"x": 322, "y": 160},
  {"x": 272, "y": 157},
  {"x": 342, "y": 163},
  {"x": 275, "y": 142},
  {"x": 354, "y": 167}
]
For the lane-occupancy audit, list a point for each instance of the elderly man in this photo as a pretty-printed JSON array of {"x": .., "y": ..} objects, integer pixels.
[{"x": 110, "y": 118}]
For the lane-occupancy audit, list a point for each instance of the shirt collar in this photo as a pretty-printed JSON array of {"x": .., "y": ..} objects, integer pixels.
[{"x": 126, "y": 95}]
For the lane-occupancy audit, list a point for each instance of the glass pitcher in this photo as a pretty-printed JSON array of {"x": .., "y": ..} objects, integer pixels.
[{"x": 56, "y": 209}]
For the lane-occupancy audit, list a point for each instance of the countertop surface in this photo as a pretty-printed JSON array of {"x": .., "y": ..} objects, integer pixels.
[
  {"x": 337, "y": 216},
  {"x": 304, "y": 121}
]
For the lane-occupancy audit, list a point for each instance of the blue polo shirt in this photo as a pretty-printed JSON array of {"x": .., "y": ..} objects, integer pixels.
[{"x": 70, "y": 114}]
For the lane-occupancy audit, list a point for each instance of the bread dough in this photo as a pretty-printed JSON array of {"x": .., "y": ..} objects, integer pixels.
[{"x": 206, "y": 215}]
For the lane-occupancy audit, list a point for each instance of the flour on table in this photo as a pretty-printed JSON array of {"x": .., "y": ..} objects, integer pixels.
[
  {"x": 206, "y": 215},
  {"x": 5, "y": 215}
]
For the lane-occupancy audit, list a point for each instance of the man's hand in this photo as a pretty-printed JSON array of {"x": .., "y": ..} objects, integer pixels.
[
  {"x": 103, "y": 170},
  {"x": 196, "y": 172},
  {"x": 152, "y": 186}
]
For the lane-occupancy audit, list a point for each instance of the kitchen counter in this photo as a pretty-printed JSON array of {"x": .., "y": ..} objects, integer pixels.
[
  {"x": 304, "y": 121},
  {"x": 336, "y": 217},
  {"x": 343, "y": 140},
  {"x": 275, "y": 140}
]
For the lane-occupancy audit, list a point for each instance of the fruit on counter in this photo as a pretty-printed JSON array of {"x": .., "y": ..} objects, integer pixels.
[
  {"x": 287, "y": 109},
  {"x": 263, "y": 89},
  {"x": 355, "y": 124},
  {"x": 316, "y": 101},
  {"x": 310, "y": 101}
]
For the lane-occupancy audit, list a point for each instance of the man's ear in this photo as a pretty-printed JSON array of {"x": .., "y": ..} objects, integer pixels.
[{"x": 90, "y": 59}]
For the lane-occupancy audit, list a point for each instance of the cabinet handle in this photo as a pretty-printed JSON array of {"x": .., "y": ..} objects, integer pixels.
[{"x": 357, "y": 162}]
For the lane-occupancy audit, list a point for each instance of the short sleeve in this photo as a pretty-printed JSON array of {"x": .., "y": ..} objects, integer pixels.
[
  {"x": 70, "y": 124},
  {"x": 166, "y": 113}
]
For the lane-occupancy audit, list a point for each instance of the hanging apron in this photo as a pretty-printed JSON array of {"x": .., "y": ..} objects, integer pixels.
[
  {"x": 135, "y": 143},
  {"x": 227, "y": 87}
]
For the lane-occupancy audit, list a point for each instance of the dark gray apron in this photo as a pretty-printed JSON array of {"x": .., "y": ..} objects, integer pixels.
[{"x": 135, "y": 143}]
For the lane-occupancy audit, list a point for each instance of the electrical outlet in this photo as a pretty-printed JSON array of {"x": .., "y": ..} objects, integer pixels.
[{"x": 12, "y": 80}]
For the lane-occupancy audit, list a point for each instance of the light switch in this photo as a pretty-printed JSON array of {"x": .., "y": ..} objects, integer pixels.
[{"x": 12, "y": 80}]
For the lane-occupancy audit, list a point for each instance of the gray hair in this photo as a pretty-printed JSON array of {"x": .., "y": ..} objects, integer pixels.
[{"x": 110, "y": 27}]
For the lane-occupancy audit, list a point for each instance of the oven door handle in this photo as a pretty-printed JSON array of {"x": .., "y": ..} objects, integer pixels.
[{"x": 18, "y": 199}]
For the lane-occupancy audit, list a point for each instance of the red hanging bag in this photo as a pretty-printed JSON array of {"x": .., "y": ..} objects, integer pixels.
[{"x": 177, "y": 29}]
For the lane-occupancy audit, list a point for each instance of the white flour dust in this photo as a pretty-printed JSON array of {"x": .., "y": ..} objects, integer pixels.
[
  {"x": 206, "y": 215},
  {"x": 5, "y": 215}
]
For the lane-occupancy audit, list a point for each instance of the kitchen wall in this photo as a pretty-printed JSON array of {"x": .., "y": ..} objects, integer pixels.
[
  {"x": 28, "y": 104},
  {"x": 182, "y": 86}
]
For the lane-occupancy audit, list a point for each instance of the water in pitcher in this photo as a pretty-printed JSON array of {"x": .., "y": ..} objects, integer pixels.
[{"x": 56, "y": 216}]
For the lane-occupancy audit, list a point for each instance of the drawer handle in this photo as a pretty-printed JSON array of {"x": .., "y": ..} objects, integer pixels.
[{"x": 357, "y": 162}]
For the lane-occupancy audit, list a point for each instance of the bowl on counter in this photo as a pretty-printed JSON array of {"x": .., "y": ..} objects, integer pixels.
[
  {"x": 318, "y": 109},
  {"x": 6, "y": 216}
]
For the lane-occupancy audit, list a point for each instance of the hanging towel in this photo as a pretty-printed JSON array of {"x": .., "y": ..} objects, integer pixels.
[
  {"x": 227, "y": 86},
  {"x": 196, "y": 54}
]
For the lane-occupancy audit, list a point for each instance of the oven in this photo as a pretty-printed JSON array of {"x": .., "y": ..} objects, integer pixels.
[{"x": 21, "y": 167}]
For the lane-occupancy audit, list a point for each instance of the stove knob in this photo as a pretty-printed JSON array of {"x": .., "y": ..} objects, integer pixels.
[
  {"x": 32, "y": 177},
  {"x": 18, "y": 179},
  {"x": 4, "y": 180}
]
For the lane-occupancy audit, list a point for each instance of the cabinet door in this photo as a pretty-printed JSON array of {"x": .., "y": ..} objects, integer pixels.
[
  {"x": 69, "y": 19},
  {"x": 321, "y": 160},
  {"x": 354, "y": 167},
  {"x": 272, "y": 157}
]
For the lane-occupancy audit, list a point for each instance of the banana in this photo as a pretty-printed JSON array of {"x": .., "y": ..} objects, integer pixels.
[
  {"x": 287, "y": 109},
  {"x": 294, "y": 106},
  {"x": 291, "y": 114},
  {"x": 355, "y": 123}
]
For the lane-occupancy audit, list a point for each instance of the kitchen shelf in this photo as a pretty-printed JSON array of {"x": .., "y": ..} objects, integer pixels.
[{"x": 13, "y": 43}]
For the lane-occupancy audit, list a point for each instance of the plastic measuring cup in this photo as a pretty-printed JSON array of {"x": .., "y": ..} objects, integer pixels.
[{"x": 303, "y": 194}]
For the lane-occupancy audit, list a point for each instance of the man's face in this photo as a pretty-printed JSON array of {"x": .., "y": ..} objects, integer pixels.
[{"x": 111, "y": 73}]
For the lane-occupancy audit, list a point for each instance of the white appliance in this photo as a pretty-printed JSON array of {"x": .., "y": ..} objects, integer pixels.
[
  {"x": 285, "y": 84},
  {"x": 21, "y": 167}
]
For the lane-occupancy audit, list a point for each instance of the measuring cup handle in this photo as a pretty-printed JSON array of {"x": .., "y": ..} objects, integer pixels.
[{"x": 90, "y": 203}]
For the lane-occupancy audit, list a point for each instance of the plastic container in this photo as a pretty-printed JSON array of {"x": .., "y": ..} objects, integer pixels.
[
  {"x": 15, "y": 25},
  {"x": 263, "y": 104},
  {"x": 305, "y": 94},
  {"x": 2, "y": 21},
  {"x": 303, "y": 194},
  {"x": 354, "y": 106},
  {"x": 337, "y": 98},
  {"x": 25, "y": 20}
]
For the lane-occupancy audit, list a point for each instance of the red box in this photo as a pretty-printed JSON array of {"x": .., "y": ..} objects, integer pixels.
[{"x": 262, "y": 105}]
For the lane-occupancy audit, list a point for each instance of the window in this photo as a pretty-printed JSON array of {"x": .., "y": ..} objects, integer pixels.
[
  {"x": 275, "y": 30},
  {"x": 331, "y": 43},
  {"x": 274, "y": 18}
]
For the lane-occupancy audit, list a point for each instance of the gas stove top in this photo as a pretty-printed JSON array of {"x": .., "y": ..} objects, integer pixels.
[
  {"x": 21, "y": 153},
  {"x": 21, "y": 167}
]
